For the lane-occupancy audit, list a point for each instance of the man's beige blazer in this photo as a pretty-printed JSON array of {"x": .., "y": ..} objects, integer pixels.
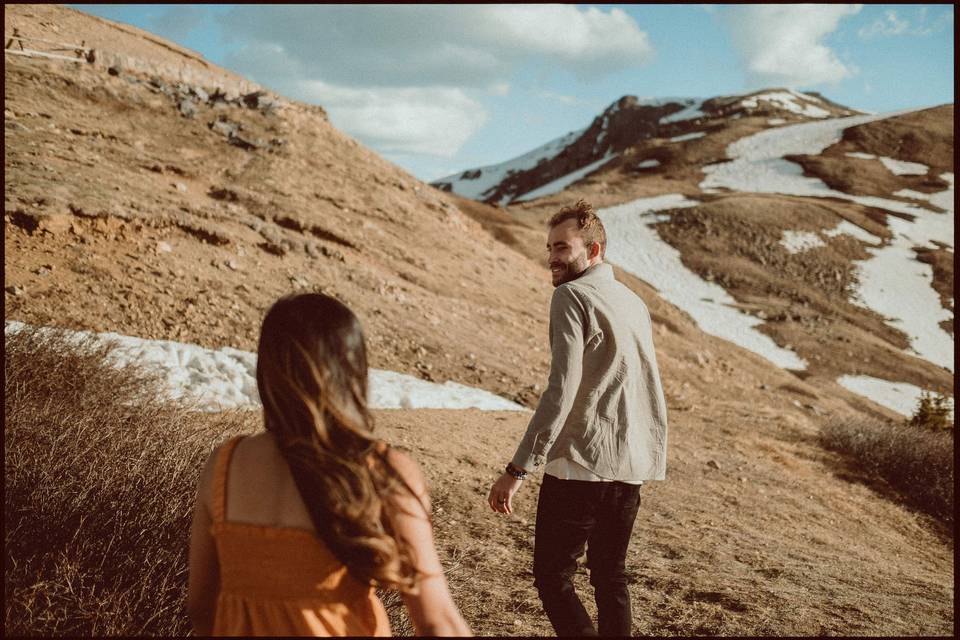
[{"x": 603, "y": 407}]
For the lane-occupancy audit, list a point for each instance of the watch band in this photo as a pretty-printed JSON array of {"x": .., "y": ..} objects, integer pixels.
[{"x": 515, "y": 471}]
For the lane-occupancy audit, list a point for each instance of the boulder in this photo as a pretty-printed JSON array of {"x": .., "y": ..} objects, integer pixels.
[{"x": 187, "y": 108}]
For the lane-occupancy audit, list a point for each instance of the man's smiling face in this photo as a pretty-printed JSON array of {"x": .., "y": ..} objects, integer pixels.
[{"x": 568, "y": 255}]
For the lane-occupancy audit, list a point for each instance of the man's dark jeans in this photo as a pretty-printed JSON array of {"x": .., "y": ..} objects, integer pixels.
[{"x": 571, "y": 513}]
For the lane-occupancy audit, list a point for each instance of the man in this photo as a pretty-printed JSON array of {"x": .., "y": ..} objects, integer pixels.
[{"x": 601, "y": 428}]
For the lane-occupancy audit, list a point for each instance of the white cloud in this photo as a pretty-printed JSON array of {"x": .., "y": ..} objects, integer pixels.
[
  {"x": 420, "y": 120},
  {"x": 460, "y": 45},
  {"x": 889, "y": 25},
  {"x": 781, "y": 44},
  {"x": 892, "y": 24},
  {"x": 428, "y": 120},
  {"x": 400, "y": 77}
]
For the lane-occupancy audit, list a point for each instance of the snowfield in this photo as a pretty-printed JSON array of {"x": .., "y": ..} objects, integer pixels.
[
  {"x": 896, "y": 396},
  {"x": 490, "y": 176},
  {"x": 558, "y": 185},
  {"x": 637, "y": 248},
  {"x": 789, "y": 101},
  {"x": 225, "y": 378},
  {"x": 688, "y": 136},
  {"x": 892, "y": 283}
]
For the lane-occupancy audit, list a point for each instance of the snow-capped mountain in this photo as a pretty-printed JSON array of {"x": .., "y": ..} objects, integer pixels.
[{"x": 624, "y": 124}]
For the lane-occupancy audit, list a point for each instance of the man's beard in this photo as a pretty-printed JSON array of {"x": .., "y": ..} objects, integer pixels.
[{"x": 569, "y": 271}]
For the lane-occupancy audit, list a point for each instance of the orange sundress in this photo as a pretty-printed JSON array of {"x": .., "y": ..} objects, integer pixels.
[{"x": 282, "y": 581}]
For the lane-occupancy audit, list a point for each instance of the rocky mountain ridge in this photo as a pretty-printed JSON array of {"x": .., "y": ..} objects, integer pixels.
[{"x": 627, "y": 127}]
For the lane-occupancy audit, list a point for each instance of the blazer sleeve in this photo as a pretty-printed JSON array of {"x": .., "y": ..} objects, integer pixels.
[{"x": 567, "y": 329}]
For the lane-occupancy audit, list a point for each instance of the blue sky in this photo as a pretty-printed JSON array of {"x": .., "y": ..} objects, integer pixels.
[{"x": 441, "y": 88}]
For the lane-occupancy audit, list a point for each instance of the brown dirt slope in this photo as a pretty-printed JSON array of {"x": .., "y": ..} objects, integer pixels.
[
  {"x": 756, "y": 532},
  {"x": 123, "y": 214}
]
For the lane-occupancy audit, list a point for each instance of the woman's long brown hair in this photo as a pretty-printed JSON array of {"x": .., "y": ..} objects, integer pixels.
[{"x": 312, "y": 378}]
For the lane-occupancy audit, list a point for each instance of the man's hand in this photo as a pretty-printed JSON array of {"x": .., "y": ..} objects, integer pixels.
[{"x": 501, "y": 493}]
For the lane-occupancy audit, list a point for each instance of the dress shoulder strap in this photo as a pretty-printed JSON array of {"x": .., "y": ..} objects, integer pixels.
[{"x": 220, "y": 479}]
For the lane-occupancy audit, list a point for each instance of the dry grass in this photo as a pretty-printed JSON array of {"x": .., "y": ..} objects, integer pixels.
[
  {"x": 916, "y": 463},
  {"x": 100, "y": 475}
]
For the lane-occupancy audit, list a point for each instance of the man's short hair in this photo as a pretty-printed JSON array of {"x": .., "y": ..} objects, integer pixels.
[{"x": 591, "y": 229}]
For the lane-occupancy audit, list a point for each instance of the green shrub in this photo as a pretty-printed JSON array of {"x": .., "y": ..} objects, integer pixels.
[
  {"x": 932, "y": 412},
  {"x": 100, "y": 474},
  {"x": 916, "y": 463}
]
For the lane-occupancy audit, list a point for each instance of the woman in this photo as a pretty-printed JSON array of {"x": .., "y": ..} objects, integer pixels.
[{"x": 295, "y": 526}]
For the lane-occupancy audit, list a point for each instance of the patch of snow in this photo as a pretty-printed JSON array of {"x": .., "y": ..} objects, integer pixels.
[
  {"x": 848, "y": 228},
  {"x": 225, "y": 378},
  {"x": 798, "y": 241},
  {"x": 688, "y": 136},
  {"x": 944, "y": 199},
  {"x": 892, "y": 282},
  {"x": 776, "y": 121},
  {"x": 861, "y": 155},
  {"x": 561, "y": 183},
  {"x": 916, "y": 195},
  {"x": 690, "y": 111},
  {"x": 805, "y": 96},
  {"x": 492, "y": 175},
  {"x": 896, "y": 396},
  {"x": 902, "y": 168},
  {"x": 789, "y": 101},
  {"x": 648, "y": 164},
  {"x": 638, "y": 249}
]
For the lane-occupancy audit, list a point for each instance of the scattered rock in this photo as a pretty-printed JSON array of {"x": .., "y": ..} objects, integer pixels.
[
  {"x": 179, "y": 186},
  {"x": 233, "y": 265},
  {"x": 225, "y": 127},
  {"x": 246, "y": 145},
  {"x": 187, "y": 108},
  {"x": 713, "y": 464},
  {"x": 276, "y": 248},
  {"x": 815, "y": 409},
  {"x": 260, "y": 100},
  {"x": 164, "y": 247},
  {"x": 223, "y": 193},
  {"x": 15, "y": 126},
  {"x": 299, "y": 282},
  {"x": 53, "y": 223},
  {"x": 113, "y": 70}
]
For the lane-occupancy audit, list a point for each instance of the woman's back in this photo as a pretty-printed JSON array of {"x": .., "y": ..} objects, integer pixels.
[
  {"x": 278, "y": 514},
  {"x": 277, "y": 577}
]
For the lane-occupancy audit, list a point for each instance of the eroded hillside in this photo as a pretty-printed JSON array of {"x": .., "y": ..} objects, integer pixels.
[{"x": 139, "y": 204}]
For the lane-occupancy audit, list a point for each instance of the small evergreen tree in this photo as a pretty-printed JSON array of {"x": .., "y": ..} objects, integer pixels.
[{"x": 932, "y": 412}]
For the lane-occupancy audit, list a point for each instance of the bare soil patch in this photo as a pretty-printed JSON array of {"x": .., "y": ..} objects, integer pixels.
[{"x": 924, "y": 137}]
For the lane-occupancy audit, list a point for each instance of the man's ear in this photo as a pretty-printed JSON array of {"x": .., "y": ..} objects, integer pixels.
[{"x": 594, "y": 250}]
